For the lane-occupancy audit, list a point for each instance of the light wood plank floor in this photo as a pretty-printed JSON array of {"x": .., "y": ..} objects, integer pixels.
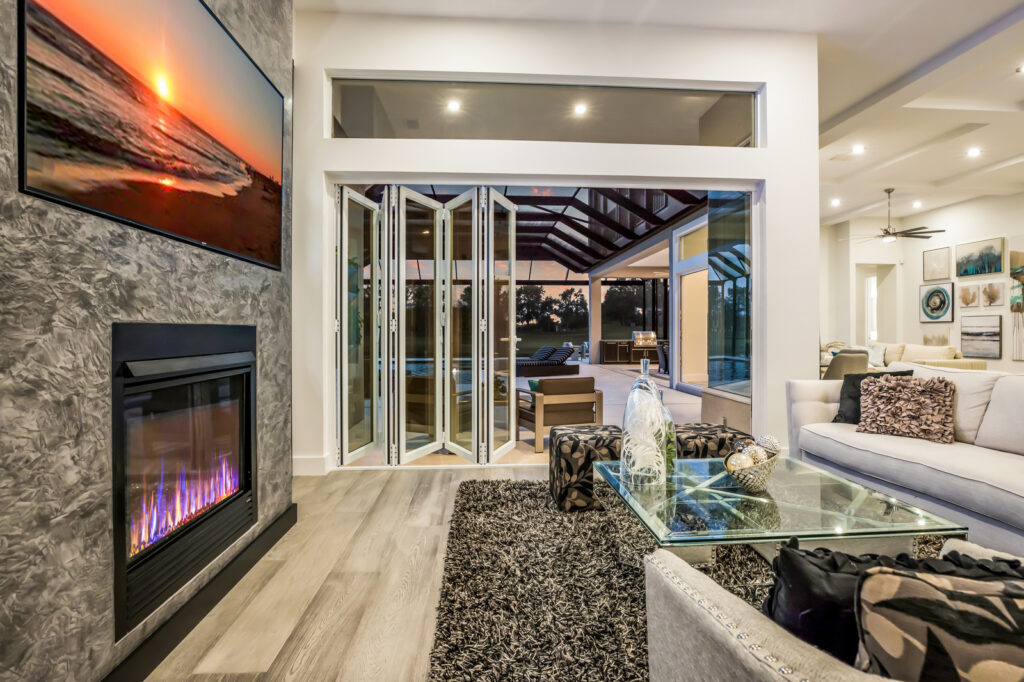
[{"x": 349, "y": 593}]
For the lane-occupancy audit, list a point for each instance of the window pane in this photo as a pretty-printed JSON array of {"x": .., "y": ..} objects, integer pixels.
[
  {"x": 729, "y": 275},
  {"x": 565, "y": 113}
]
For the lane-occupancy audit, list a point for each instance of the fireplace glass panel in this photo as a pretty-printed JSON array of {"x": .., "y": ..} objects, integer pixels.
[{"x": 183, "y": 445}]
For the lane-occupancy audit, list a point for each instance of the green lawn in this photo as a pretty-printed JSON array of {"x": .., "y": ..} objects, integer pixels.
[{"x": 533, "y": 339}]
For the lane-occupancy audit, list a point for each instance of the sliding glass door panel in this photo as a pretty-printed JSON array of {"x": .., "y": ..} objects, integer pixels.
[
  {"x": 358, "y": 326},
  {"x": 462, "y": 312},
  {"x": 500, "y": 330},
  {"x": 419, "y": 310}
]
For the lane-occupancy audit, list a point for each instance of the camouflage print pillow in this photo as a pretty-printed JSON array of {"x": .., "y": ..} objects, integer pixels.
[
  {"x": 908, "y": 406},
  {"x": 926, "y": 626}
]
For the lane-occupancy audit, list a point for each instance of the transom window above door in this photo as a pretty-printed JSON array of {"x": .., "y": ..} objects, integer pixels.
[{"x": 557, "y": 113}]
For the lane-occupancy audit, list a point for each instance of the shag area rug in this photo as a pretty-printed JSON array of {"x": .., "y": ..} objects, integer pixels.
[{"x": 532, "y": 593}]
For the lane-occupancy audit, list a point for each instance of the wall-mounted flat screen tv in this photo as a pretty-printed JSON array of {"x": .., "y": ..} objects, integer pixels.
[{"x": 148, "y": 112}]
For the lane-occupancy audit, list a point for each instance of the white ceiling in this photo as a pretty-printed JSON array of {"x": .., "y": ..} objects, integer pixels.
[
  {"x": 916, "y": 136},
  {"x": 863, "y": 44}
]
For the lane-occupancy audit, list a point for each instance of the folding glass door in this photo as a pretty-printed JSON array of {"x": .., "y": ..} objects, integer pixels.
[{"x": 425, "y": 320}]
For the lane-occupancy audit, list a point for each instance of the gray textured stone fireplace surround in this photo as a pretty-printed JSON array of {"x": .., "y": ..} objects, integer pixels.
[{"x": 65, "y": 277}]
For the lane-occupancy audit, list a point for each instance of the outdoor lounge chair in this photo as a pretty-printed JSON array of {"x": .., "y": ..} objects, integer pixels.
[
  {"x": 553, "y": 365},
  {"x": 558, "y": 402}
]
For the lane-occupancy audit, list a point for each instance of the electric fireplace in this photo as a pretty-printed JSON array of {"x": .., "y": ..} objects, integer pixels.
[{"x": 184, "y": 450}]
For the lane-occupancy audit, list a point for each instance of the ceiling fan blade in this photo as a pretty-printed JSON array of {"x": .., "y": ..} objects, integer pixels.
[
  {"x": 921, "y": 231},
  {"x": 915, "y": 236},
  {"x": 915, "y": 229}
]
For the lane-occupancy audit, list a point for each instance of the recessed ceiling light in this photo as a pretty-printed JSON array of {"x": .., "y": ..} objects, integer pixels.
[
  {"x": 835, "y": 202},
  {"x": 579, "y": 109},
  {"x": 917, "y": 204},
  {"x": 973, "y": 153},
  {"x": 454, "y": 105},
  {"x": 858, "y": 149},
  {"x": 1020, "y": 69}
]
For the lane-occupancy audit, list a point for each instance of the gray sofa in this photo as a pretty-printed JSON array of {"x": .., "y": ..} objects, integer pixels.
[
  {"x": 699, "y": 632},
  {"x": 977, "y": 481}
]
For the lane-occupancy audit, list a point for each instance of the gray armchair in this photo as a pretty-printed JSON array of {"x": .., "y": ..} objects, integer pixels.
[{"x": 847, "y": 362}]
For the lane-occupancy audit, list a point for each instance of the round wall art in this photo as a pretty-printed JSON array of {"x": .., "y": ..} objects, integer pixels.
[{"x": 937, "y": 302}]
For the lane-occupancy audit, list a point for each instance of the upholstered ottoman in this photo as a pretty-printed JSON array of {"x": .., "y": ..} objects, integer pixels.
[
  {"x": 572, "y": 451},
  {"x": 705, "y": 441}
]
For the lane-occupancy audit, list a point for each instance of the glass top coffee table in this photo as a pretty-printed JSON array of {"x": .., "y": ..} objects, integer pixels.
[{"x": 702, "y": 505}]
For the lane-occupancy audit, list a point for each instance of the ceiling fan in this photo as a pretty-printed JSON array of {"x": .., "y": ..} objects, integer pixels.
[{"x": 891, "y": 234}]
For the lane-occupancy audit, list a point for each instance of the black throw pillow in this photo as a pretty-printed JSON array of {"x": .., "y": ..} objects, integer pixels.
[
  {"x": 849, "y": 396},
  {"x": 814, "y": 592}
]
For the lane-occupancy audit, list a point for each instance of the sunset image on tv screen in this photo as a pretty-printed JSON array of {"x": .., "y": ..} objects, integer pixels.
[{"x": 147, "y": 111}]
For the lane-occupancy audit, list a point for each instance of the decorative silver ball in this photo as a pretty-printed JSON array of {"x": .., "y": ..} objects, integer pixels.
[
  {"x": 769, "y": 442},
  {"x": 757, "y": 453},
  {"x": 738, "y": 460}
]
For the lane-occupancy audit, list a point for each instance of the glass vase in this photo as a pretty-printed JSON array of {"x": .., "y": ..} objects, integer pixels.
[{"x": 648, "y": 437}]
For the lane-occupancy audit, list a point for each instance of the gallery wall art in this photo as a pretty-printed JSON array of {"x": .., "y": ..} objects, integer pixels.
[
  {"x": 935, "y": 264},
  {"x": 993, "y": 294},
  {"x": 980, "y": 258},
  {"x": 1017, "y": 303},
  {"x": 939, "y": 337},
  {"x": 164, "y": 123},
  {"x": 981, "y": 336},
  {"x": 969, "y": 295},
  {"x": 937, "y": 302}
]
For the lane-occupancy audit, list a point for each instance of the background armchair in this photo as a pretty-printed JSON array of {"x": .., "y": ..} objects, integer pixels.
[{"x": 559, "y": 402}]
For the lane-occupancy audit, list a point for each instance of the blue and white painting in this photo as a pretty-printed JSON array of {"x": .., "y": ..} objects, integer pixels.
[{"x": 979, "y": 258}]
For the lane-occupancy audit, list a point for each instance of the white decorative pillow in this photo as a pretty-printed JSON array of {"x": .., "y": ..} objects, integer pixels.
[
  {"x": 973, "y": 390},
  {"x": 975, "y": 551},
  {"x": 915, "y": 353},
  {"x": 1001, "y": 427},
  {"x": 876, "y": 355}
]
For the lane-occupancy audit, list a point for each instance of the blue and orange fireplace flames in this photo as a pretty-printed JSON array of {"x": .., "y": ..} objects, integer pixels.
[{"x": 167, "y": 506}]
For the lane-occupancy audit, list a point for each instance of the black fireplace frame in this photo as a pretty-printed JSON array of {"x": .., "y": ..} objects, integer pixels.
[{"x": 166, "y": 354}]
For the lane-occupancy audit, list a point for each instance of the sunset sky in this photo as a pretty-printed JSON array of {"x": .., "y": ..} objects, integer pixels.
[{"x": 178, "y": 50}]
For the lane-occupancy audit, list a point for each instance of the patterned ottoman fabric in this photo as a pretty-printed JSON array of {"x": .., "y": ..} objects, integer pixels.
[
  {"x": 572, "y": 451},
  {"x": 706, "y": 441}
]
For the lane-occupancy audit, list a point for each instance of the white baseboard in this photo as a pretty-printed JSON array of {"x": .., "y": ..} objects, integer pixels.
[{"x": 310, "y": 465}]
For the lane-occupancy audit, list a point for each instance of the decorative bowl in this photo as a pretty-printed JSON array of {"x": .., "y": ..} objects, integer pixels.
[
  {"x": 753, "y": 463},
  {"x": 754, "y": 479}
]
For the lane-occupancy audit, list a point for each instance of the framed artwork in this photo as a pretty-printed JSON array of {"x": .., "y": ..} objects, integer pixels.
[
  {"x": 993, "y": 294},
  {"x": 1017, "y": 318},
  {"x": 980, "y": 258},
  {"x": 938, "y": 337},
  {"x": 1017, "y": 265},
  {"x": 935, "y": 263},
  {"x": 165, "y": 124},
  {"x": 969, "y": 295},
  {"x": 937, "y": 302},
  {"x": 981, "y": 336}
]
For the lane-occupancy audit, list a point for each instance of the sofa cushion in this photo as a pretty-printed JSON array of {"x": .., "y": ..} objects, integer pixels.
[
  {"x": 1000, "y": 428},
  {"x": 985, "y": 481},
  {"x": 849, "y": 397},
  {"x": 919, "y": 626},
  {"x": 893, "y": 352},
  {"x": 973, "y": 390},
  {"x": 908, "y": 406},
  {"x": 912, "y": 352}
]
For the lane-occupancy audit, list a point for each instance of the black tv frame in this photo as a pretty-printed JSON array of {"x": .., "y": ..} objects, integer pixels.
[{"x": 53, "y": 198}]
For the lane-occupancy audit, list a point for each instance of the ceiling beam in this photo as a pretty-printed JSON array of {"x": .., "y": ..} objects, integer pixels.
[
  {"x": 931, "y": 143},
  {"x": 625, "y": 202}
]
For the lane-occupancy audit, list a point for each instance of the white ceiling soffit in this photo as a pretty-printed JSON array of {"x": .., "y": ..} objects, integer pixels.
[
  {"x": 948, "y": 130},
  {"x": 863, "y": 44}
]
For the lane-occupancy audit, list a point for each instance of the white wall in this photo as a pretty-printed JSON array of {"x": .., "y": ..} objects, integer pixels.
[
  {"x": 850, "y": 244},
  {"x": 995, "y": 216},
  {"x": 783, "y": 65},
  {"x": 983, "y": 218}
]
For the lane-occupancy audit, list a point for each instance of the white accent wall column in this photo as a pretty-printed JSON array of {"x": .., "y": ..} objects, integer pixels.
[{"x": 595, "y": 320}]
